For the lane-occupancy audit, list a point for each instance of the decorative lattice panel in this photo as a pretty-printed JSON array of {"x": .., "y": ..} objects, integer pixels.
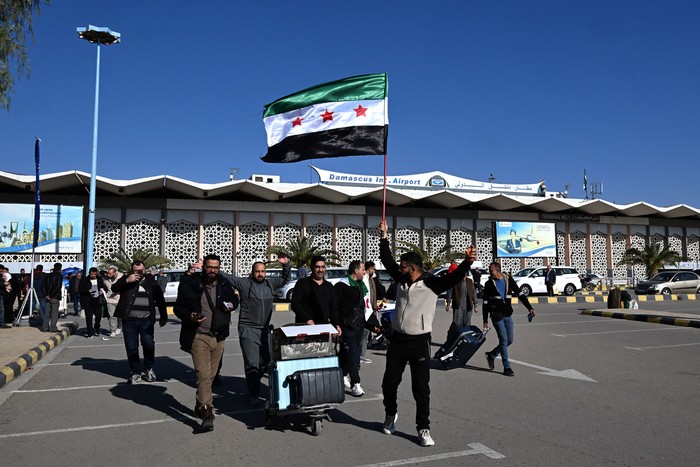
[
  {"x": 437, "y": 238},
  {"x": 461, "y": 239},
  {"x": 510, "y": 265},
  {"x": 675, "y": 243},
  {"x": 283, "y": 233},
  {"x": 619, "y": 246},
  {"x": 638, "y": 241},
  {"x": 107, "y": 238},
  {"x": 561, "y": 250},
  {"x": 142, "y": 234},
  {"x": 408, "y": 234},
  {"x": 218, "y": 240},
  {"x": 484, "y": 245},
  {"x": 658, "y": 239},
  {"x": 577, "y": 245},
  {"x": 373, "y": 237},
  {"x": 252, "y": 245},
  {"x": 181, "y": 241},
  {"x": 323, "y": 236},
  {"x": 349, "y": 244},
  {"x": 599, "y": 254},
  {"x": 693, "y": 247},
  {"x": 15, "y": 258},
  {"x": 530, "y": 262},
  {"x": 58, "y": 258}
]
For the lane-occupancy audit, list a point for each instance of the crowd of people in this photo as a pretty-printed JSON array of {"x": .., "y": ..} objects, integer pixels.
[{"x": 133, "y": 302}]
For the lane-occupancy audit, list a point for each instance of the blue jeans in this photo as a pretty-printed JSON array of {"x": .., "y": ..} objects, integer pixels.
[
  {"x": 504, "y": 330},
  {"x": 75, "y": 298},
  {"x": 352, "y": 349},
  {"x": 134, "y": 329}
]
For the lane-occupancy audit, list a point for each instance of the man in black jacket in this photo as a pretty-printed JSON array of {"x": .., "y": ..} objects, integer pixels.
[
  {"x": 52, "y": 290},
  {"x": 497, "y": 296},
  {"x": 313, "y": 301},
  {"x": 138, "y": 298},
  {"x": 204, "y": 304}
]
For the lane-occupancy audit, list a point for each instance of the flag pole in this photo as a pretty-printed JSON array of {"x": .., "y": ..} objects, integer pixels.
[{"x": 384, "y": 192}]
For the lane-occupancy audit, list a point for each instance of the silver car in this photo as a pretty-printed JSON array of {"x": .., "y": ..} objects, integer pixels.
[{"x": 669, "y": 282}]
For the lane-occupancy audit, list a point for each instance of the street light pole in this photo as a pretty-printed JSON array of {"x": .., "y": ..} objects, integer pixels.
[{"x": 95, "y": 35}]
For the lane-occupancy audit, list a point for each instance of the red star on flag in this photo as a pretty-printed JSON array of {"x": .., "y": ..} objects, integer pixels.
[
  {"x": 360, "y": 111},
  {"x": 297, "y": 121},
  {"x": 327, "y": 116}
]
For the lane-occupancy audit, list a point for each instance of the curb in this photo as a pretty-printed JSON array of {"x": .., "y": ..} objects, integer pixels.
[
  {"x": 604, "y": 298},
  {"x": 645, "y": 317},
  {"x": 25, "y": 362}
]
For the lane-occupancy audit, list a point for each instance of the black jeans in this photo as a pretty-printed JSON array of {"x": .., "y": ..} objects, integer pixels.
[
  {"x": 352, "y": 349},
  {"x": 414, "y": 350},
  {"x": 143, "y": 329},
  {"x": 93, "y": 312}
]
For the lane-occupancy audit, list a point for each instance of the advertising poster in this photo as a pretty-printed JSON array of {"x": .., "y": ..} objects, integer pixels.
[
  {"x": 60, "y": 228},
  {"x": 525, "y": 239}
]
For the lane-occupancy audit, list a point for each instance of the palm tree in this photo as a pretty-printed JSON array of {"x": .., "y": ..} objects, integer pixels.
[
  {"x": 653, "y": 257},
  {"x": 443, "y": 256},
  {"x": 300, "y": 250},
  {"x": 122, "y": 260}
]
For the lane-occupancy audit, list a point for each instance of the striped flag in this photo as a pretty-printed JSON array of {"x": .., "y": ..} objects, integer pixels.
[{"x": 347, "y": 117}]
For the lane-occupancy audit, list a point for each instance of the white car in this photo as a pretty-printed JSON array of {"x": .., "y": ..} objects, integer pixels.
[
  {"x": 333, "y": 275},
  {"x": 531, "y": 280}
]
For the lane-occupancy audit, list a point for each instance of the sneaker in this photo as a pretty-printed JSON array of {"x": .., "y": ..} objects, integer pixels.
[
  {"x": 508, "y": 372},
  {"x": 365, "y": 360},
  {"x": 425, "y": 438},
  {"x": 112, "y": 334},
  {"x": 390, "y": 424},
  {"x": 135, "y": 379},
  {"x": 357, "y": 390},
  {"x": 346, "y": 381},
  {"x": 491, "y": 361},
  {"x": 149, "y": 375},
  {"x": 118, "y": 331}
]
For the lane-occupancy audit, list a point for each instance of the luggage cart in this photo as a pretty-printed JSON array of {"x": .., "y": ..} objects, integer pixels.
[{"x": 304, "y": 375}]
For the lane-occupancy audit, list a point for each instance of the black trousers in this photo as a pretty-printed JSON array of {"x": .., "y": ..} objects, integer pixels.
[{"x": 414, "y": 350}]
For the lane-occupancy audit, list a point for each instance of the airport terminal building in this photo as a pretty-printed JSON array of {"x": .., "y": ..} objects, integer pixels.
[{"x": 239, "y": 219}]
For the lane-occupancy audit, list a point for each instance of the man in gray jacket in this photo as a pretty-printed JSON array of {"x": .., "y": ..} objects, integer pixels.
[
  {"x": 412, "y": 325},
  {"x": 256, "y": 297}
]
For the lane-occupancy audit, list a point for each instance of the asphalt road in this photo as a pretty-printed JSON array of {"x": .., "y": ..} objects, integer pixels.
[{"x": 587, "y": 391}]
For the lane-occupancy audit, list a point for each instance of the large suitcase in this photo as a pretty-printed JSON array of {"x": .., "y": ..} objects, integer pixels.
[
  {"x": 316, "y": 387},
  {"x": 461, "y": 345},
  {"x": 281, "y": 398}
]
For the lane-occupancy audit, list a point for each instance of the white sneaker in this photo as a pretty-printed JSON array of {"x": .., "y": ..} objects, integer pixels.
[
  {"x": 135, "y": 379},
  {"x": 390, "y": 424},
  {"x": 118, "y": 331},
  {"x": 425, "y": 438},
  {"x": 365, "y": 360},
  {"x": 346, "y": 381},
  {"x": 357, "y": 390},
  {"x": 113, "y": 334},
  {"x": 149, "y": 375}
]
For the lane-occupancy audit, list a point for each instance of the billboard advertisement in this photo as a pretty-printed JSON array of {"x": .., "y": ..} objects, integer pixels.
[
  {"x": 60, "y": 228},
  {"x": 525, "y": 239}
]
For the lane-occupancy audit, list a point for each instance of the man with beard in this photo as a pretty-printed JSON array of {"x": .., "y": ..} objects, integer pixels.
[
  {"x": 204, "y": 304},
  {"x": 256, "y": 296},
  {"x": 412, "y": 325}
]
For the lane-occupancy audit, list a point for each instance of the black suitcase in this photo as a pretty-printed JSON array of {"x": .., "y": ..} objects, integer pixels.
[
  {"x": 461, "y": 345},
  {"x": 317, "y": 387}
]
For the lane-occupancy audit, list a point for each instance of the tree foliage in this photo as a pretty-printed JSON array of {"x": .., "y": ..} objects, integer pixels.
[
  {"x": 15, "y": 25},
  {"x": 122, "y": 260},
  {"x": 653, "y": 257},
  {"x": 300, "y": 250},
  {"x": 443, "y": 256}
]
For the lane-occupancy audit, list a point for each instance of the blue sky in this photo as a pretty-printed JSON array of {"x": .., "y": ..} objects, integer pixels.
[{"x": 526, "y": 90}]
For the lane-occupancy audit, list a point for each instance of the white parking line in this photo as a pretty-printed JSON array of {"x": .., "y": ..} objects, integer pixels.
[
  {"x": 667, "y": 328},
  {"x": 160, "y": 420},
  {"x": 476, "y": 448},
  {"x": 663, "y": 346}
]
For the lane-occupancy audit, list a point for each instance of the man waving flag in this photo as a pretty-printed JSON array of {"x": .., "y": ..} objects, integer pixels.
[{"x": 347, "y": 117}]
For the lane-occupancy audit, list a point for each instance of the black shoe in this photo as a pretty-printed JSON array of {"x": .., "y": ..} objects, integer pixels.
[
  {"x": 207, "y": 412},
  {"x": 5, "y": 326},
  {"x": 508, "y": 372},
  {"x": 491, "y": 361}
]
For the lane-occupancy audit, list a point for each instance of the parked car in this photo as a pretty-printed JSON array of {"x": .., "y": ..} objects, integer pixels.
[
  {"x": 170, "y": 292},
  {"x": 333, "y": 275},
  {"x": 441, "y": 271},
  {"x": 669, "y": 282},
  {"x": 531, "y": 280}
]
